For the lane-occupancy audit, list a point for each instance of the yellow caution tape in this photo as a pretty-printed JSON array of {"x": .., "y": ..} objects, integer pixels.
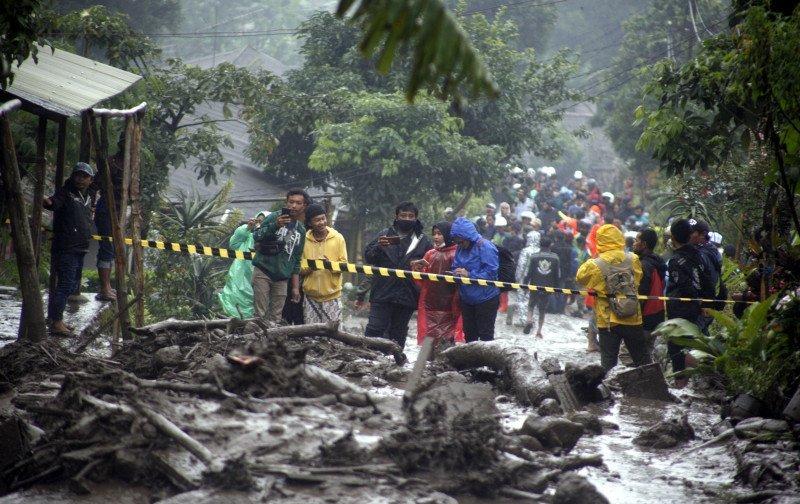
[{"x": 368, "y": 270}]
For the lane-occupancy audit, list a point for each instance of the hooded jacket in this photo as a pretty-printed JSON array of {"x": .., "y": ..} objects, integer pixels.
[
  {"x": 524, "y": 260},
  {"x": 324, "y": 285},
  {"x": 72, "y": 220},
  {"x": 654, "y": 269},
  {"x": 687, "y": 277},
  {"x": 290, "y": 240},
  {"x": 610, "y": 248},
  {"x": 481, "y": 260},
  {"x": 236, "y": 297},
  {"x": 391, "y": 289}
]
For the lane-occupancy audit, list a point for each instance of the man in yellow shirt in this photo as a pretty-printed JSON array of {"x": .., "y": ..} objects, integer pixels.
[{"x": 323, "y": 288}]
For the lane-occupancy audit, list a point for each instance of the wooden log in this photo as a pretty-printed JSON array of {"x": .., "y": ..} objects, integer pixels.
[
  {"x": 100, "y": 147},
  {"x": 169, "y": 429},
  {"x": 529, "y": 381},
  {"x": 32, "y": 326},
  {"x": 329, "y": 383},
  {"x": 38, "y": 191},
  {"x": 172, "y": 324},
  {"x": 136, "y": 221}
]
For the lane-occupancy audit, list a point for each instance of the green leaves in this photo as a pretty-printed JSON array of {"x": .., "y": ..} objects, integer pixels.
[{"x": 443, "y": 56}]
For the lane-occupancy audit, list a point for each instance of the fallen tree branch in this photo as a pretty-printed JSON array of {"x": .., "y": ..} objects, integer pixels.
[
  {"x": 171, "y": 430},
  {"x": 172, "y": 324},
  {"x": 529, "y": 381}
]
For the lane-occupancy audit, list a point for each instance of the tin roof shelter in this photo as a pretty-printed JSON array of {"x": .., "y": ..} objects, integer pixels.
[{"x": 57, "y": 85}]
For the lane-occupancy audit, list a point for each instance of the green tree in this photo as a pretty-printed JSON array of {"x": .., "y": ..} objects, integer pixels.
[
  {"x": 388, "y": 151},
  {"x": 22, "y": 24}
]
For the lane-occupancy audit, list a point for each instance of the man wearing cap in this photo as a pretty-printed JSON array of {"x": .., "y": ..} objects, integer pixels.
[
  {"x": 712, "y": 262},
  {"x": 72, "y": 229},
  {"x": 686, "y": 278}
]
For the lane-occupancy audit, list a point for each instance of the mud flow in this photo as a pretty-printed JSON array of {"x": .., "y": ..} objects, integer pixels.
[{"x": 231, "y": 411}]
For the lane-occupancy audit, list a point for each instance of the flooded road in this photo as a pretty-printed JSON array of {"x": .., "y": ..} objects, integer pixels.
[{"x": 632, "y": 474}]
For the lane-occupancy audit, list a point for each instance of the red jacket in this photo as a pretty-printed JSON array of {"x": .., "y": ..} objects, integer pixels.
[{"x": 438, "y": 310}]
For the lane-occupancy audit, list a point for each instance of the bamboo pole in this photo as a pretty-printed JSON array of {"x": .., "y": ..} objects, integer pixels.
[
  {"x": 32, "y": 326},
  {"x": 101, "y": 154},
  {"x": 38, "y": 191},
  {"x": 136, "y": 220}
]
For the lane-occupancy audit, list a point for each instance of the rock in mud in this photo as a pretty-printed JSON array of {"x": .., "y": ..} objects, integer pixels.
[
  {"x": 763, "y": 430},
  {"x": 591, "y": 423},
  {"x": 549, "y": 407},
  {"x": 747, "y": 406},
  {"x": 666, "y": 434},
  {"x": 574, "y": 489},
  {"x": 475, "y": 399},
  {"x": 529, "y": 443},
  {"x": 553, "y": 432},
  {"x": 585, "y": 380},
  {"x": 646, "y": 382},
  {"x": 168, "y": 356}
]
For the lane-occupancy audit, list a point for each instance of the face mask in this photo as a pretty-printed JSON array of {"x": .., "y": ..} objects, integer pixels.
[{"x": 404, "y": 226}]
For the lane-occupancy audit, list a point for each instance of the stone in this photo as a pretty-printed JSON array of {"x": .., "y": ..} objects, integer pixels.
[
  {"x": 530, "y": 443},
  {"x": 591, "y": 423},
  {"x": 549, "y": 407},
  {"x": 763, "y": 429},
  {"x": 168, "y": 356},
  {"x": 646, "y": 382},
  {"x": 585, "y": 380},
  {"x": 792, "y": 410},
  {"x": 13, "y": 439},
  {"x": 747, "y": 406},
  {"x": 575, "y": 489},
  {"x": 396, "y": 374},
  {"x": 666, "y": 434},
  {"x": 553, "y": 432}
]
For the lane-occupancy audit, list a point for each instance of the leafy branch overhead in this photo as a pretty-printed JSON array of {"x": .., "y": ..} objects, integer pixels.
[{"x": 443, "y": 57}]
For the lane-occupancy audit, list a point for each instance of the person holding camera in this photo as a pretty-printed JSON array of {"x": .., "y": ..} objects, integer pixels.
[
  {"x": 236, "y": 298},
  {"x": 392, "y": 299},
  {"x": 279, "y": 242}
]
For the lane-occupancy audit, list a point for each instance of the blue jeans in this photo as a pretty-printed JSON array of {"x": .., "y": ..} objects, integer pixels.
[{"x": 67, "y": 267}]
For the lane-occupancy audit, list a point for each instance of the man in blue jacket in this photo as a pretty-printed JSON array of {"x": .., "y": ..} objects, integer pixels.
[{"x": 476, "y": 257}]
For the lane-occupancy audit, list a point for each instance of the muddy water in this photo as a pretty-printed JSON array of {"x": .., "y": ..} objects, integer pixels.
[{"x": 631, "y": 474}]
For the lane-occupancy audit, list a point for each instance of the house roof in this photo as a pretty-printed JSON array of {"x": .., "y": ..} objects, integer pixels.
[
  {"x": 246, "y": 57},
  {"x": 64, "y": 84}
]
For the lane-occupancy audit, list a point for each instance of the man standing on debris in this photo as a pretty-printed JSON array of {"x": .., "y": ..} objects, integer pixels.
[
  {"x": 72, "y": 230},
  {"x": 393, "y": 300},
  {"x": 323, "y": 288},
  {"x": 686, "y": 278},
  {"x": 615, "y": 275},
  {"x": 476, "y": 257},
  {"x": 279, "y": 245}
]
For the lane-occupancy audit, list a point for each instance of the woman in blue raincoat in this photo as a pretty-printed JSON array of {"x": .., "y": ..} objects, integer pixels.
[{"x": 236, "y": 298}]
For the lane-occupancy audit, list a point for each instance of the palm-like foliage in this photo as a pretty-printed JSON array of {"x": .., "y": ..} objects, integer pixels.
[
  {"x": 193, "y": 215},
  {"x": 676, "y": 203}
]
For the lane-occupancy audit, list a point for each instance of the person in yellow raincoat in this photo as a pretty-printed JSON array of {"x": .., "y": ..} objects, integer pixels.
[
  {"x": 612, "y": 330},
  {"x": 236, "y": 298}
]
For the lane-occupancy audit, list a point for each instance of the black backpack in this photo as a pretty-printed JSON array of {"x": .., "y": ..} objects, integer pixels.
[{"x": 508, "y": 267}]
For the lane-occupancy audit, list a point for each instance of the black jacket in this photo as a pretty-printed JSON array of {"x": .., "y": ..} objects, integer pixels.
[
  {"x": 651, "y": 264},
  {"x": 72, "y": 220},
  {"x": 687, "y": 277},
  {"x": 712, "y": 262},
  {"x": 392, "y": 289}
]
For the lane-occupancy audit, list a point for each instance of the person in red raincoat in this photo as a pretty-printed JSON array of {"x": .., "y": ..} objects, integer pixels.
[{"x": 438, "y": 311}]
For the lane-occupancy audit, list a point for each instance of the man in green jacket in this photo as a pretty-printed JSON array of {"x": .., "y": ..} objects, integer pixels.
[{"x": 279, "y": 245}]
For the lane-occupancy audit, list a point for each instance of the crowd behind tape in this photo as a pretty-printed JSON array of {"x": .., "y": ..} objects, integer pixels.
[{"x": 368, "y": 270}]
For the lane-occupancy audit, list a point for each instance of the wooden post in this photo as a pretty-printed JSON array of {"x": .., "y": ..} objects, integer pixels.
[
  {"x": 61, "y": 154},
  {"x": 101, "y": 155},
  {"x": 134, "y": 142},
  {"x": 32, "y": 326},
  {"x": 38, "y": 191},
  {"x": 85, "y": 150}
]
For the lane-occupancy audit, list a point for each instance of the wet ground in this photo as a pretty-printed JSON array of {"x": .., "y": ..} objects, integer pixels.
[
  {"x": 80, "y": 315},
  {"x": 631, "y": 474}
]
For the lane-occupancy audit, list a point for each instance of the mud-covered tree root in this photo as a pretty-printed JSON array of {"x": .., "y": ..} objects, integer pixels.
[{"x": 527, "y": 378}]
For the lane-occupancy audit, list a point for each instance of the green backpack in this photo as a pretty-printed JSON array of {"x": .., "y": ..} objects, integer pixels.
[{"x": 620, "y": 286}]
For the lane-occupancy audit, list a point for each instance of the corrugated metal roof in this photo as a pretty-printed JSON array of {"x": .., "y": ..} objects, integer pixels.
[{"x": 67, "y": 84}]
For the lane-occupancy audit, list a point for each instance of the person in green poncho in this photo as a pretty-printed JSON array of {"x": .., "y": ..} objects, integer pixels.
[{"x": 236, "y": 298}]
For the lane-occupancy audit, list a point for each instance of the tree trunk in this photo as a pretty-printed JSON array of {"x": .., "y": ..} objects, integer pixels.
[
  {"x": 529, "y": 381},
  {"x": 31, "y": 327},
  {"x": 136, "y": 220}
]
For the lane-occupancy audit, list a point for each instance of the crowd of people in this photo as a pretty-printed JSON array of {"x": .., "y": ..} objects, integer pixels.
[{"x": 542, "y": 232}]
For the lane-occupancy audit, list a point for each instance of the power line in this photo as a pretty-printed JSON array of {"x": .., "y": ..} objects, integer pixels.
[{"x": 512, "y": 4}]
